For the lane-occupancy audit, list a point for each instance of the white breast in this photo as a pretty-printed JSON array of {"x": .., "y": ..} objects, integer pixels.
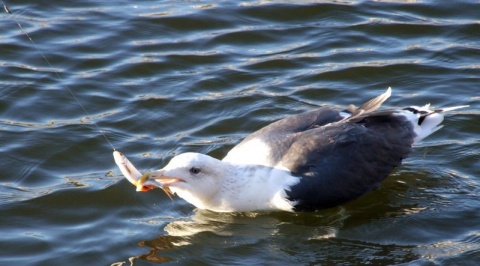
[{"x": 255, "y": 188}]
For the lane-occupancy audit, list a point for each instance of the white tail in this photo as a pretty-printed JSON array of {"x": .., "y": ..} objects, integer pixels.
[{"x": 426, "y": 119}]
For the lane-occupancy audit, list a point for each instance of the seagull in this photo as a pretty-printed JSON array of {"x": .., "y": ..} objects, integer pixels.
[{"x": 306, "y": 162}]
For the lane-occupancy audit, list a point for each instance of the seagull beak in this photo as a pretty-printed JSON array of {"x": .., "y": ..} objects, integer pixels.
[
  {"x": 160, "y": 177},
  {"x": 144, "y": 183}
]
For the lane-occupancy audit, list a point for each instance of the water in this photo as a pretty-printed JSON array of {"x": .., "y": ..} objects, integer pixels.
[{"x": 165, "y": 77}]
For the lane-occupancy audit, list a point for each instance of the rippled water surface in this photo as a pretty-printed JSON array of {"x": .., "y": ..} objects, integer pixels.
[{"x": 164, "y": 77}]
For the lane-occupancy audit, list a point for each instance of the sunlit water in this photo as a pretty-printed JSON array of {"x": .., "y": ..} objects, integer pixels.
[{"x": 164, "y": 77}]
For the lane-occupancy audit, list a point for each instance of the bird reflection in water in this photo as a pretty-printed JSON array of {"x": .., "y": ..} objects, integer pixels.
[{"x": 207, "y": 229}]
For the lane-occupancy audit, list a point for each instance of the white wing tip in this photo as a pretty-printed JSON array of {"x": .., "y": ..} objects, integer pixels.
[{"x": 453, "y": 108}]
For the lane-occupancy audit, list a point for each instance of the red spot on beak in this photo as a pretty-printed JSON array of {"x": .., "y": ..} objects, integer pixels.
[{"x": 143, "y": 188}]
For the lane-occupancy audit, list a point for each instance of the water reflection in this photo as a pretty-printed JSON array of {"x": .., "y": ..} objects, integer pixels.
[{"x": 229, "y": 230}]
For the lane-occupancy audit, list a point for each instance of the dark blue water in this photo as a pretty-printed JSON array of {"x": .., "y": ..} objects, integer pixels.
[{"x": 164, "y": 77}]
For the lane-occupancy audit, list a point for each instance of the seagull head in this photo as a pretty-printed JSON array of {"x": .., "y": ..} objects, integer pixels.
[{"x": 195, "y": 177}]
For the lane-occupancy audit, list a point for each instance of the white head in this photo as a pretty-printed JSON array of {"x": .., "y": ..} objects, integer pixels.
[{"x": 195, "y": 177}]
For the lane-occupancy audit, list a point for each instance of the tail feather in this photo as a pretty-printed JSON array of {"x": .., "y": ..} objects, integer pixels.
[
  {"x": 427, "y": 120},
  {"x": 370, "y": 106}
]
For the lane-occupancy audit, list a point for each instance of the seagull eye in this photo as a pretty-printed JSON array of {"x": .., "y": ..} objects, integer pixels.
[{"x": 194, "y": 170}]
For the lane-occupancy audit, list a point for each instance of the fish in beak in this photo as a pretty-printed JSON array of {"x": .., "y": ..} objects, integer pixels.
[
  {"x": 143, "y": 185},
  {"x": 147, "y": 181},
  {"x": 160, "y": 180}
]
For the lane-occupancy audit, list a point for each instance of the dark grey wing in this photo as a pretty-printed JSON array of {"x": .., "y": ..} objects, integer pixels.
[
  {"x": 268, "y": 145},
  {"x": 278, "y": 135},
  {"x": 342, "y": 161},
  {"x": 298, "y": 123}
]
